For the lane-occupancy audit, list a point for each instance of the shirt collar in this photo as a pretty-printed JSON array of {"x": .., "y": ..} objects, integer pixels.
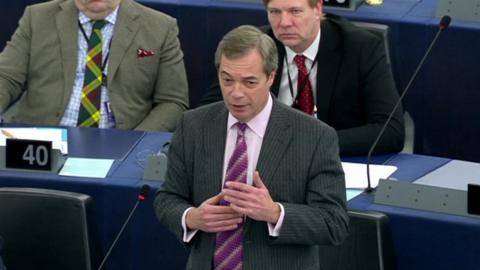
[
  {"x": 111, "y": 18},
  {"x": 310, "y": 52},
  {"x": 257, "y": 124}
]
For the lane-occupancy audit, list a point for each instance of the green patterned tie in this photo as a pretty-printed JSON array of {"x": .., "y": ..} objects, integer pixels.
[{"x": 89, "y": 114}]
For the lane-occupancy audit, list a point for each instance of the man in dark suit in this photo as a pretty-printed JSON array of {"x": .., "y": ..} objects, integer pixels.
[
  {"x": 283, "y": 185},
  {"x": 352, "y": 85},
  {"x": 139, "y": 81}
]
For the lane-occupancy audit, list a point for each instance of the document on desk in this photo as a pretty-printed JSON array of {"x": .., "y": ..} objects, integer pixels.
[
  {"x": 353, "y": 192},
  {"x": 58, "y": 136},
  {"x": 86, "y": 167},
  {"x": 456, "y": 174},
  {"x": 356, "y": 174}
]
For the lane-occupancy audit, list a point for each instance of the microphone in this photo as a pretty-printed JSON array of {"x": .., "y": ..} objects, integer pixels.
[
  {"x": 444, "y": 22},
  {"x": 141, "y": 197}
]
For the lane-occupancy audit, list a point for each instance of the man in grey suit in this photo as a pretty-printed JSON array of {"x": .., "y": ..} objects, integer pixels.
[
  {"x": 283, "y": 185},
  {"x": 140, "y": 74}
]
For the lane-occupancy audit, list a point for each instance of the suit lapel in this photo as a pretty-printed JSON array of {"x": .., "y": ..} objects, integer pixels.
[
  {"x": 67, "y": 29},
  {"x": 214, "y": 138},
  {"x": 275, "y": 143},
  {"x": 126, "y": 28},
  {"x": 329, "y": 59}
]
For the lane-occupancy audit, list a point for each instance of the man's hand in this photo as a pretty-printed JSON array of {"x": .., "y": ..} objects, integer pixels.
[
  {"x": 211, "y": 217},
  {"x": 252, "y": 201}
]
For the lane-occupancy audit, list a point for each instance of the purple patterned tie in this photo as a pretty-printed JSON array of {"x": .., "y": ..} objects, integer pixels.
[{"x": 229, "y": 244}]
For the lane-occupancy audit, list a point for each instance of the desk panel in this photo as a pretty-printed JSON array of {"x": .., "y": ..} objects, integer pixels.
[
  {"x": 427, "y": 240},
  {"x": 422, "y": 239}
]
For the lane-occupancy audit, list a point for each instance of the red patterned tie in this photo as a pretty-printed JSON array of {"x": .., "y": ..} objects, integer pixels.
[
  {"x": 304, "y": 87},
  {"x": 229, "y": 244}
]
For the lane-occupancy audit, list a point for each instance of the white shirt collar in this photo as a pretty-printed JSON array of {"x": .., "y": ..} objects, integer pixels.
[
  {"x": 310, "y": 52},
  {"x": 258, "y": 124},
  {"x": 111, "y": 18}
]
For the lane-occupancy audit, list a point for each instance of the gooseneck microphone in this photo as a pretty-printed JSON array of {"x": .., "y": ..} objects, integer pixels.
[
  {"x": 141, "y": 197},
  {"x": 444, "y": 22}
]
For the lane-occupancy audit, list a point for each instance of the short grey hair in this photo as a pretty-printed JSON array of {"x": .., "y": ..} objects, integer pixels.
[{"x": 241, "y": 40}]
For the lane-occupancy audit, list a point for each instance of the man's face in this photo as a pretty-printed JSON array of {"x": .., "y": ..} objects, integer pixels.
[
  {"x": 294, "y": 22},
  {"x": 245, "y": 86},
  {"x": 97, "y": 9}
]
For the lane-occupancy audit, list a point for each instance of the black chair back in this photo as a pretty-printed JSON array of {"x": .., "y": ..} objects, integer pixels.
[
  {"x": 47, "y": 229},
  {"x": 368, "y": 247},
  {"x": 2, "y": 266},
  {"x": 382, "y": 31}
]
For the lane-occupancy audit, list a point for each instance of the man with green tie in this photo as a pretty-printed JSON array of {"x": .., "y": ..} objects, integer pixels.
[{"x": 94, "y": 63}]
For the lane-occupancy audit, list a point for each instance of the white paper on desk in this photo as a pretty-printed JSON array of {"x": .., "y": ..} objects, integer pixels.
[
  {"x": 58, "y": 136},
  {"x": 86, "y": 167},
  {"x": 456, "y": 174},
  {"x": 356, "y": 174},
  {"x": 353, "y": 192}
]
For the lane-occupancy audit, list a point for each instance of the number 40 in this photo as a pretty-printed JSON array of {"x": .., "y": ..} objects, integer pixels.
[{"x": 38, "y": 155}]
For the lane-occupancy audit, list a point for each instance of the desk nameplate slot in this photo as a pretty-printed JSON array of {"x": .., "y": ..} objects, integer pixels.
[
  {"x": 422, "y": 197},
  {"x": 468, "y": 10},
  {"x": 155, "y": 167}
]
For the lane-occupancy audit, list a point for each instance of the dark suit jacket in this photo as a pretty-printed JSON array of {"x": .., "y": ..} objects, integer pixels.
[
  {"x": 298, "y": 163},
  {"x": 355, "y": 88},
  {"x": 40, "y": 61},
  {"x": 2, "y": 266}
]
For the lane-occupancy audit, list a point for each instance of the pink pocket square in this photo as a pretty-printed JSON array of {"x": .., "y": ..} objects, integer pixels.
[{"x": 144, "y": 53}]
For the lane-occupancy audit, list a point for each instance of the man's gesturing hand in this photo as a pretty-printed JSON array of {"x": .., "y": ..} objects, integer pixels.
[
  {"x": 252, "y": 201},
  {"x": 212, "y": 217}
]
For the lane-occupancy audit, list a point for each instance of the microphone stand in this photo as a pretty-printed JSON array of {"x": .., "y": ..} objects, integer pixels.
[
  {"x": 141, "y": 197},
  {"x": 445, "y": 21}
]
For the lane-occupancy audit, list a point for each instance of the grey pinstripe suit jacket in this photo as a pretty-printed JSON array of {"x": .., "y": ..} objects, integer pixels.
[{"x": 299, "y": 164}]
